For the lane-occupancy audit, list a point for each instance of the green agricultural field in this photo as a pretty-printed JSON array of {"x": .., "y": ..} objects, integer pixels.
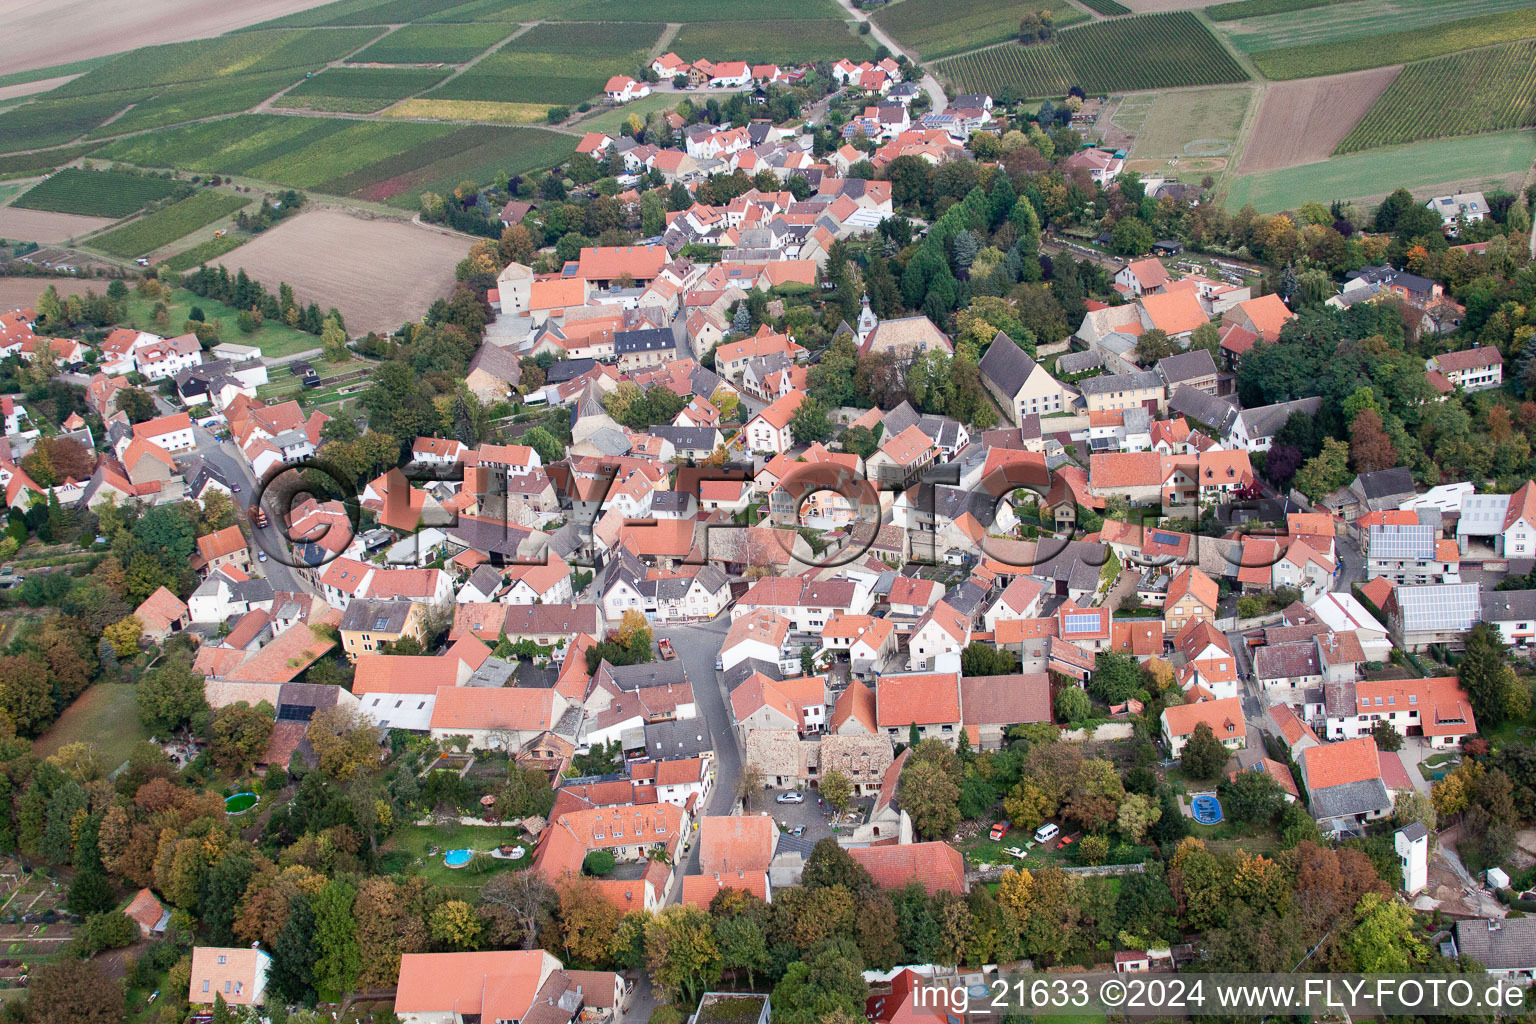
[
  {"x": 433, "y": 44},
  {"x": 206, "y": 252},
  {"x": 1255, "y": 8},
  {"x": 96, "y": 193},
  {"x": 939, "y": 28},
  {"x": 361, "y": 90},
  {"x": 165, "y": 226},
  {"x": 364, "y": 12},
  {"x": 683, "y": 11},
  {"x": 78, "y": 67},
  {"x": 610, "y": 121},
  {"x": 1396, "y": 47},
  {"x": 772, "y": 42},
  {"x": 178, "y": 104},
  {"x": 1191, "y": 122},
  {"x": 222, "y": 58},
  {"x": 51, "y": 122},
  {"x": 471, "y": 152},
  {"x": 1108, "y": 8},
  {"x": 554, "y": 64},
  {"x": 1149, "y": 51},
  {"x": 1358, "y": 19},
  {"x": 1474, "y": 162},
  {"x": 230, "y": 146},
  {"x": 357, "y": 145},
  {"x": 1501, "y": 78},
  {"x": 42, "y": 160}
]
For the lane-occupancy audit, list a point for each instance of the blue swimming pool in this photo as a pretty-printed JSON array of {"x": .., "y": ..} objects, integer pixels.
[
  {"x": 457, "y": 858},
  {"x": 1206, "y": 809}
]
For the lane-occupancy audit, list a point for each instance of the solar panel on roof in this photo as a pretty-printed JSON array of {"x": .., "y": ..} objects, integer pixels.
[
  {"x": 1082, "y": 623},
  {"x": 1402, "y": 542},
  {"x": 295, "y": 713},
  {"x": 1164, "y": 538}
]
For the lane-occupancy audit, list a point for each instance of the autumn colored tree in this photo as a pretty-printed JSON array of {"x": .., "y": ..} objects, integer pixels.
[
  {"x": 73, "y": 992},
  {"x": 346, "y": 743},
  {"x": 454, "y": 926},
  {"x": 836, "y": 790},
  {"x": 25, "y": 696},
  {"x": 1203, "y": 753},
  {"x": 240, "y": 734},
  {"x": 589, "y": 922},
  {"x": 681, "y": 954},
  {"x": 1370, "y": 449}
]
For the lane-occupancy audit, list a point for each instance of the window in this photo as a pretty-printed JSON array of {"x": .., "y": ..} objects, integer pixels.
[
  {"x": 205, "y": 984},
  {"x": 223, "y": 958}
]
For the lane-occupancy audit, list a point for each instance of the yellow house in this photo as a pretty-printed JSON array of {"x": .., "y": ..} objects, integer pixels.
[
  {"x": 367, "y": 624},
  {"x": 1192, "y": 597}
]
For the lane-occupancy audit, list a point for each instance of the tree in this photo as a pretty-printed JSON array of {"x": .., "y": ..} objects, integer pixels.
[
  {"x": 828, "y": 982},
  {"x": 589, "y": 922},
  {"x": 1496, "y": 692},
  {"x": 1326, "y": 472},
  {"x": 1116, "y": 677},
  {"x": 339, "y": 959},
  {"x": 1253, "y": 796},
  {"x": 454, "y": 926},
  {"x": 743, "y": 947},
  {"x": 749, "y": 784},
  {"x": 171, "y": 695},
  {"x": 980, "y": 659},
  {"x": 240, "y": 734},
  {"x": 546, "y": 444},
  {"x": 1369, "y": 446},
  {"x": 1386, "y": 737},
  {"x": 1415, "y": 806},
  {"x": 836, "y": 790},
  {"x": 73, "y": 992},
  {"x": 26, "y": 698},
  {"x": 333, "y": 341},
  {"x": 1203, "y": 754},
  {"x": 1384, "y": 939},
  {"x": 526, "y": 897},
  {"x": 930, "y": 797},
  {"x": 681, "y": 955},
  {"x": 809, "y": 423},
  {"x": 345, "y": 742},
  {"x": 1072, "y": 705},
  {"x": 1136, "y": 815},
  {"x": 1152, "y": 346},
  {"x": 1131, "y": 237}
]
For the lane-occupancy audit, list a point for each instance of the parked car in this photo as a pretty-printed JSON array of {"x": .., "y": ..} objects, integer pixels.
[
  {"x": 1000, "y": 829},
  {"x": 1016, "y": 852},
  {"x": 797, "y": 831},
  {"x": 1045, "y": 833},
  {"x": 792, "y": 797},
  {"x": 261, "y": 556}
]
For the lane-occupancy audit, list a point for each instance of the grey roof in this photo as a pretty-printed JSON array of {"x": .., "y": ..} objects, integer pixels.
[
  {"x": 638, "y": 677},
  {"x": 1006, "y": 365},
  {"x": 494, "y": 672},
  {"x": 1482, "y": 515},
  {"x": 647, "y": 339},
  {"x": 1079, "y": 362},
  {"x": 944, "y": 431},
  {"x": 499, "y": 362},
  {"x": 965, "y": 597},
  {"x": 743, "y": 670},
  {"x": 1266, "y": 420},
  {"x": 1500, "y": 945},
  {"x": 704, "y": 381},
  {"x": 1414, "y": 830},
  {"x": 567, "y": 369},
  {"x": 1121, "y": 382},
  {"x": 1350, "y": 799},
  {"x": 376, "y": 616},
  {"x": 1508, "y": 605},
  {"x": 1385, "y": 483},
  {"x": 678, "y": 738},
  {"x": 252, "y": 591},
  {"x": 1441, "y": 607},
  {"x": 1192, "y": 365},
  {"x": 486, "y": 580},
  {"x": 688, "y": 437},
  {"x": 669, "y": 501},
  {"x": 1340, "y": 699},
  {"x": 899, "y": 419},
  {"x": 490, "y": 538}
]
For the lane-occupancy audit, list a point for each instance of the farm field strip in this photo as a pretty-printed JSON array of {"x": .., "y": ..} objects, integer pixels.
[
  {"x": 205, "y": 252},
  {"x": 95, "y": 193},
  {"x": 772, "y": 41},
  {"x": 941, "y": 28},
  {"x": 431, "y": 44},
  {"x": 360, "y": 90},
  {"x": 1398, "y": 47},
  {"x": 54, "y": 122},
  {"x": 475, "y": 110},
  {"x": 1108, "y": 8},
  {"x": 46, "y": 228},
  {"x": 1257, "y": 8},
  {"x": 1150, "y": 51},
  {"x": 1502, "y": 78},
  {"x": 356, "y": 145},
  {"x": 555, "y": 64},
  {"x": 472, "y": 151},
  {"x": 165, "y": 226},
  {"x": 1468, "y": 162},
  {"x": 179, "y": 104},
  {"x": 1356, "y": 19},
  {"x": 230, "y": 146},
  {"x": 1303, "y": 121}
]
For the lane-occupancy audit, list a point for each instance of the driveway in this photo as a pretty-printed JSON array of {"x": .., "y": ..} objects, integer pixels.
[
  {"x": 810, "y": 814},
  {"x": 1414, "y": 750}
]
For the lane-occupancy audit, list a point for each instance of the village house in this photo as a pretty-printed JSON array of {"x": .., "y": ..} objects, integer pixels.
[{"x": 1225, "y": 718}]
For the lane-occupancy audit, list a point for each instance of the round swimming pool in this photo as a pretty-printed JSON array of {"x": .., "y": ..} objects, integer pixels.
[
  {"x": 239, "y": 802},
  {"x": 1206, "y": 809}
]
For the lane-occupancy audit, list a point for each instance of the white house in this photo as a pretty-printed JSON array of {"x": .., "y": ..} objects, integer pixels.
[
  {"x": 173, "y": 432},
  {"x": 1412, "y": 845},
  {"x": 1463, "y": 207},
  {"x": 768, "y": 432},
  {"x": 622, "y": 89}
]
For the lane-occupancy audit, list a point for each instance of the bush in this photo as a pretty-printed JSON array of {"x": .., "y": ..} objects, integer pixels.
[
  {"x": 105, "y": 931},
  {"x": 558, "y": 114},
  {"x": 598, "y": 862}
]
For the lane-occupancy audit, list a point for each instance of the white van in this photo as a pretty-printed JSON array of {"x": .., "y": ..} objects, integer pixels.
[{"x": 1045, "y": 833}]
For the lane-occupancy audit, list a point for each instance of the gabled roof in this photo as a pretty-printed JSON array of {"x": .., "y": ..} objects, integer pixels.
[
  {"x": 937, "y": 867},
  {"x": 1006, "y": 364},
  {"x": 1340, "y": 763},
  {"x": 1225, "y": 717},
  {"x": 736, "y": 843},
  {"x": 920, "y": 698}
]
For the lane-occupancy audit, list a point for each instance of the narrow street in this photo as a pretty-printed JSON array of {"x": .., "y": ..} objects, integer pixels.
[{"x": 930, "y": 84}]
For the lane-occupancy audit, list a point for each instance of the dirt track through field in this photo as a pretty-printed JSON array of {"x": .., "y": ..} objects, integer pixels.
[
  {"x": 1301, "y": 122},
  {"x": 379, "y": 272},
  {"x": 63, "y": 31}
]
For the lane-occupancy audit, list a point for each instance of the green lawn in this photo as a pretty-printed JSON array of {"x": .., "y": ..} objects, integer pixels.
[
  {"x": 273, "y": 338},
  {"x": 611, "y": 121},
  {"x": 105, "y": 715},
  {"x": 1470, "y": 162},
  {"x": 415, "y": 840}
]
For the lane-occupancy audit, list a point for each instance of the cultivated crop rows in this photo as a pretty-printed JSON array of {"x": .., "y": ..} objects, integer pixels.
[
  {"x": 1151, "y": 51},
  {"x": 1108, "y": 8},
  {"x": 1415, "y": 107},
  {"x": 165, "y": 226},
  {"x": 95, "y": 193}
]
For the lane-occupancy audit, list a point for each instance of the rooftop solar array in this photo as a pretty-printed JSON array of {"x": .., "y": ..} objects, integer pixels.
[
  {"x": 1082, "y": 623},
  {"x": 1441, "y": 607},
  {"x": 1405, "y": 543}
]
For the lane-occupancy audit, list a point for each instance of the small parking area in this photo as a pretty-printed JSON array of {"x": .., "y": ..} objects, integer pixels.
[{"x": 813, "y": 816}]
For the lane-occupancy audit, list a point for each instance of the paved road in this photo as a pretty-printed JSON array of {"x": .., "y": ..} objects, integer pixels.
[
  {"x": 697, "y": 646},
  {"x": 226, "y": 458},
  {"x": 930, "y": 84}
]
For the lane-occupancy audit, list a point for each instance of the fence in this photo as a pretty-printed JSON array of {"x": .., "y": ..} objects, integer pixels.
[
  {"x": 1107, "y": 731},
  {"x": 992, "y": 872}
]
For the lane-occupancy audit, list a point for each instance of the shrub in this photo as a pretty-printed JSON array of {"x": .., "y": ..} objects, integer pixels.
[{"x": 598, "y": 862}]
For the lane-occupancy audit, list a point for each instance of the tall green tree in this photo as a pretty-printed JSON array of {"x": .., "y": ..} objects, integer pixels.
[
  {"x": 1497, "y": 694},
  {"x": 339, "y": 959}
]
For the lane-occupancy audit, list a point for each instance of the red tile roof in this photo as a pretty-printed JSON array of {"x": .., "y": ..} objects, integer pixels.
[
  {"x": 1341, "y": 763},
  {"x": 736, "y": 843},
  {"x": 937, "y": 867},
  {"x": 923, "y": 698}
]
